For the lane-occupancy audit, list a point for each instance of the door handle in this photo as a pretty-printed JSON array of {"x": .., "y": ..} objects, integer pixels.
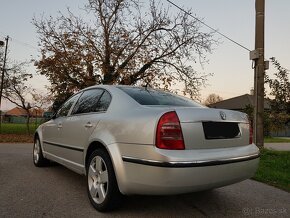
[{"x": 88, "y": 125}]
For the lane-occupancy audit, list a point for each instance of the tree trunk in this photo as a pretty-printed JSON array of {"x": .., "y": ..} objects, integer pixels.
[{"x": 27, "y": 123}]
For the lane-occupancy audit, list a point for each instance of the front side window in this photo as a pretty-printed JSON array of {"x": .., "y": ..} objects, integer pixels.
[{"x": 63, "y": 111}]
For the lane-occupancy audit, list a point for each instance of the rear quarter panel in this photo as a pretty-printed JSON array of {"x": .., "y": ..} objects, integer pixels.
[
  {"x": 126, "y": 121},
  {"x": 135, "y": 126}
]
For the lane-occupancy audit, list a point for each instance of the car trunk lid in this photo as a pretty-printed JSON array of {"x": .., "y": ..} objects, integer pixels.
[{"x": 213, "y": 128}]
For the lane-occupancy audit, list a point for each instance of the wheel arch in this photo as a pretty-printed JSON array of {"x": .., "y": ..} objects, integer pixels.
[
  {"x": 91, "y": 148},
  {"x": 111, "y": 151},
  {"x": 36, "y": 135}
]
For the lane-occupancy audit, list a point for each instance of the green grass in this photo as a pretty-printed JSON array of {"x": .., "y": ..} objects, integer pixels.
[
  {"x": 276, "y": 140},
  {"x": 13, "y": 128},
  {"x": 274, "y": 169}
]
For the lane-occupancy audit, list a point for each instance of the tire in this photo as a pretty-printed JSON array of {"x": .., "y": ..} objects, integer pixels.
[
  {"x": 38, "y": 159},
  {"x": 102, "y": 186}
]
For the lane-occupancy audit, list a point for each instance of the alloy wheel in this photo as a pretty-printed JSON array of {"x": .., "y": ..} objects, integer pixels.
[
  {"x": 98, "y": 179},
  {"x": 36, "y": 151}
]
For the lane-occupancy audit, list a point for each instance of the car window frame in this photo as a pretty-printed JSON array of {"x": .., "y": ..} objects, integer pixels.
[
  {"x": 111, "y": 97},
  {"x": 95, "y": 112},
  {"x": 71, "y": 107}
]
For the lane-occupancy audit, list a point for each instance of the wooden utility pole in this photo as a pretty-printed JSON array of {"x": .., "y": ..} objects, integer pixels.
[
  {"x": 259, "y": 74},
  {"x": 2, "y": 79}
]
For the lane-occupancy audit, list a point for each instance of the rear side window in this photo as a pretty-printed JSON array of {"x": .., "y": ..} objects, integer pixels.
[
  {"x": 104, "y": 102},
  {"x": 148, "y": 96},
  {"x": 94, "y": 100},
  {"x": 88, "y": 101}
]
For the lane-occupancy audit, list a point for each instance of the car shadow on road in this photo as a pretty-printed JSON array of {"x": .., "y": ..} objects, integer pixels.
[
  {"x": 198, "y": 203},
  {"x": 62, "y": 193}
]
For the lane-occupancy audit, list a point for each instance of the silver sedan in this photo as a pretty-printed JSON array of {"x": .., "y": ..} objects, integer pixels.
[{"x": 137, "y": 140}]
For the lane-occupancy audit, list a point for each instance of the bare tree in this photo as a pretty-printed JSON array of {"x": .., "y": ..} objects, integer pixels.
[
  {"x": 16, "y": 89},
  {"x": 128, "y": 42},
  {"x": 1, "y": 68},
  {"x": 41, "y": 100},
  {"x": 212, "y": 98}
]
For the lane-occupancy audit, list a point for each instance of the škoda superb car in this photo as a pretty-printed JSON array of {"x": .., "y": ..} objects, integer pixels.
[{"x": 135, "y": 140}]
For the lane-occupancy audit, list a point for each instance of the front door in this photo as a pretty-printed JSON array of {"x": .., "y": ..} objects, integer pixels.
[
  {"x": 80, "y": 124},
  {"x": 52, "y": 131}
]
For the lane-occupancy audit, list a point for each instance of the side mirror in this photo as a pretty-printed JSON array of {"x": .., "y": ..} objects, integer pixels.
[
  {"x": 49, "y": 115},
  {"x": 53, "y": 116}
]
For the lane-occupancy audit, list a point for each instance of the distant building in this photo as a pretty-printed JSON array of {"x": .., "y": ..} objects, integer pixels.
[
  {"x": 19, "y": 115},
  {"x": 17, "y": 111},
  {"x": 239, "y": 103}
]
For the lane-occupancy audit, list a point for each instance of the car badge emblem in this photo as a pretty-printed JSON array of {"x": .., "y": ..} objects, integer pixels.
[{"x": 223, "y": 115}]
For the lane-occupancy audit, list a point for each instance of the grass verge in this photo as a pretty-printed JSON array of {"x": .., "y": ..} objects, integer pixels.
[
  {"x": 274, "y": 169},
  {"x": 13, "y": 128},
  {"x": 17, "y": 133}
]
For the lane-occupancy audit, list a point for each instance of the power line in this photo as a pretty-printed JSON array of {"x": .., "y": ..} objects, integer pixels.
[
  {"x": 208, "y": 26},
  {"x": 199, "y": 20},
  {"x": 22, "y": 43},
  {"x": 25, "y": 44}
]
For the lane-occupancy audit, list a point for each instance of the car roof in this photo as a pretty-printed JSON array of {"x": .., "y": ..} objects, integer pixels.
[{"x": 109, "y": 86}]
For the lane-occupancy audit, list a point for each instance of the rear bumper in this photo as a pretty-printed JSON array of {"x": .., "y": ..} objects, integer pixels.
[
  {"x": 189, "y": 164},
  {"x": 176, "y": 172}
]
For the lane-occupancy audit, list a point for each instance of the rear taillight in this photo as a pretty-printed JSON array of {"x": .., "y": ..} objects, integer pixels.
[
  {"x": 169, "y": 133},
  {"x": 250, "y": 133}
]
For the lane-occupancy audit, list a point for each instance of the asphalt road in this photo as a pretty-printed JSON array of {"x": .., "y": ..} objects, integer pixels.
[{"x": 27, "y": 191}]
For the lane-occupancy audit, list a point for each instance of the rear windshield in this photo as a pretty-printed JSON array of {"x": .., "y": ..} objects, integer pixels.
[{"x": 148, "y": 96}]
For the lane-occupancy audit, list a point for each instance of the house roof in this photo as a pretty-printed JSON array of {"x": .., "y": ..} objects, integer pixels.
[
  {"x": 238, "y": 103},
  {"x": 18, "y": 111}
]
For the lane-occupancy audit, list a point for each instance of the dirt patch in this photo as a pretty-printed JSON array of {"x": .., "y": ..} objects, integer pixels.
[{"x": 24, "y": 138}]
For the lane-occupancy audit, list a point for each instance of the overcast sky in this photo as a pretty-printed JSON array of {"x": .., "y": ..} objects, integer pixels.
[{"x": 229, "y": 63}]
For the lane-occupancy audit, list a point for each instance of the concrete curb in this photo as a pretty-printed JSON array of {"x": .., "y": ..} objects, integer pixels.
[{"x": 278, "y": 146}]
